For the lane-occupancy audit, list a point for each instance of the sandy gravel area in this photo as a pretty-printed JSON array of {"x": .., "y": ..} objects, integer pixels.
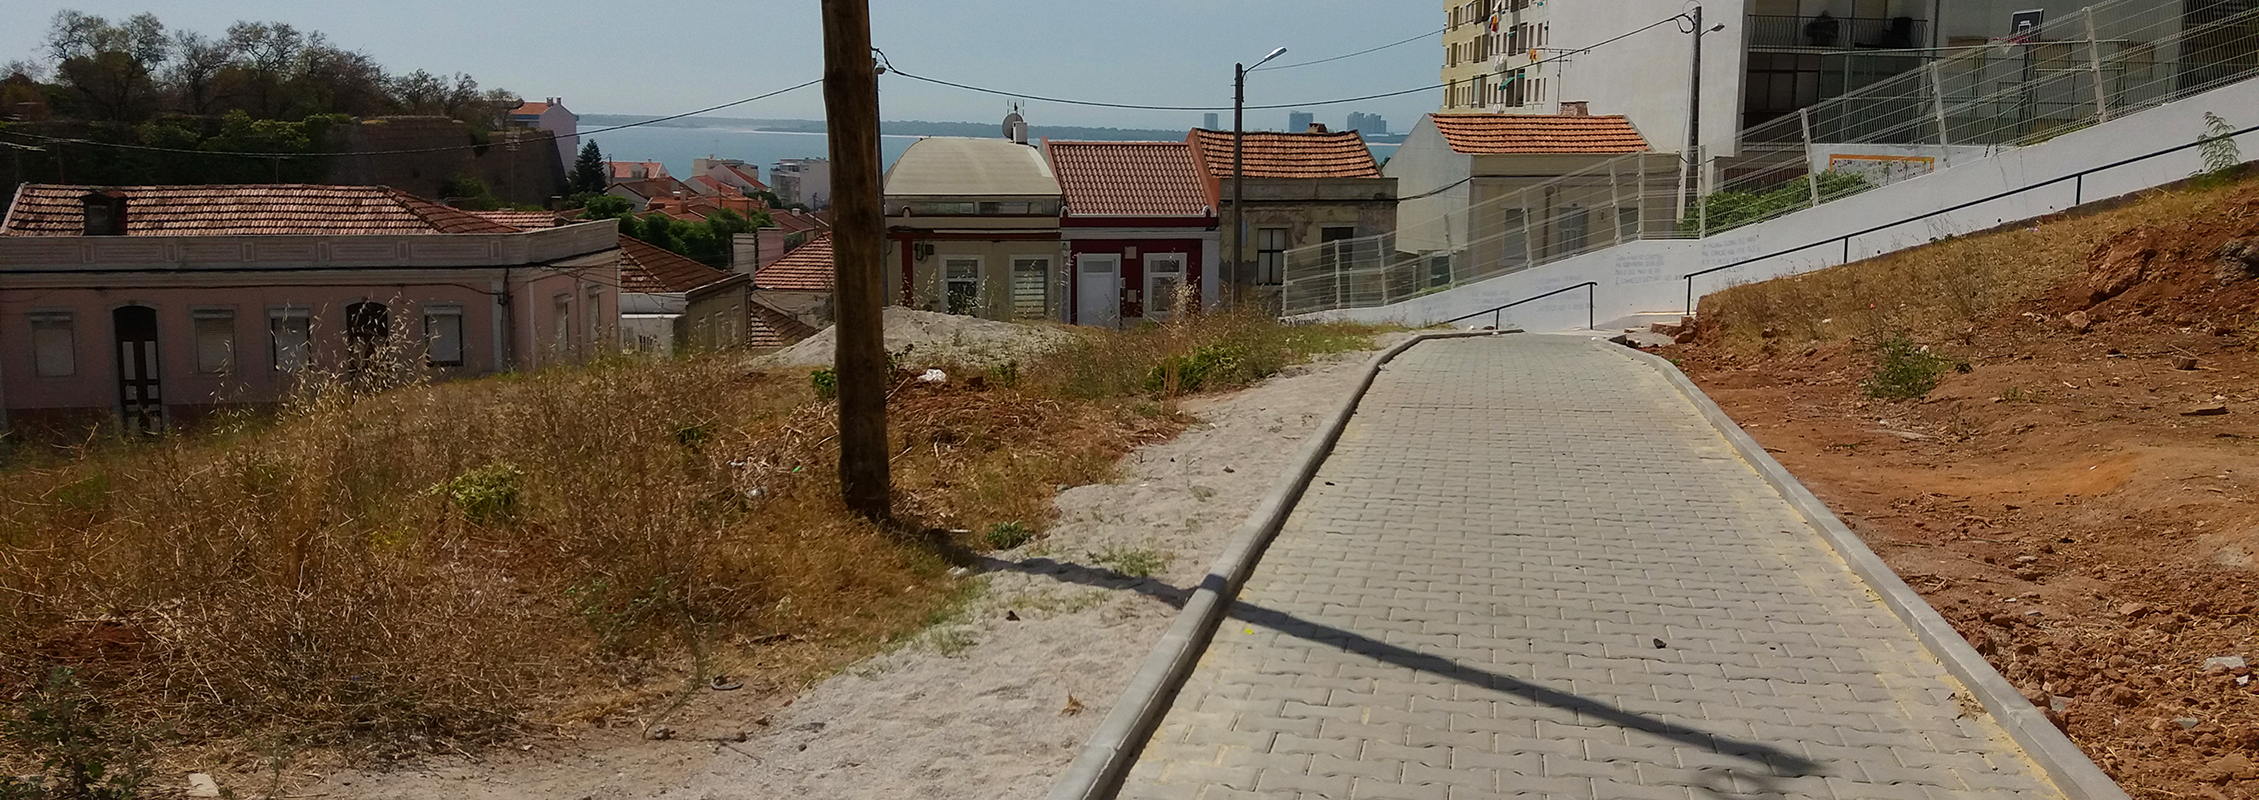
[{"x": 991, "y": 705}]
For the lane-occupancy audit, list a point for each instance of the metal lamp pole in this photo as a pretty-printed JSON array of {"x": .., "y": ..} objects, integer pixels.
[{"x": 1239, "y": 278}]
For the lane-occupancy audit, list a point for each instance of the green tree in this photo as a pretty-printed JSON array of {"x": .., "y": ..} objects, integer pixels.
[
  {"x": 589, "y": 173},
  {"x": 606, "y": 206}
]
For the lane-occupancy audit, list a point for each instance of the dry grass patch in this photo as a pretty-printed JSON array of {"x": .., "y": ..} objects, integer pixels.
[
  {"x": 432, "y": 567},
  {"x": 1943, "y": 292}
]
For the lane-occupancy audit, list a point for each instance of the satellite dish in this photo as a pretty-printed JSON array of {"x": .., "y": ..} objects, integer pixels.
[{"x": 1012, "y": 122}]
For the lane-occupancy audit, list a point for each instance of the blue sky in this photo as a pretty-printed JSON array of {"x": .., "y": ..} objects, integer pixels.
[{"x": 628, "y": 58}]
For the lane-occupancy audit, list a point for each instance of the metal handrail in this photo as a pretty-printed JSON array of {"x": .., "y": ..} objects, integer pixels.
[
  {"x": 1591, "y": 304},
  {"x": 2078, "y": 198}
]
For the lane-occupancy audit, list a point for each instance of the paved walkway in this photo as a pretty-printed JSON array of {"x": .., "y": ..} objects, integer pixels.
[{"x": 1532, "y": 569}]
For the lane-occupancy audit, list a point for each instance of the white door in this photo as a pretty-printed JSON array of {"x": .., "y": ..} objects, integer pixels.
[
  {"x": 1164, "y": 275},
  {"x": 1098, "y": 298}
]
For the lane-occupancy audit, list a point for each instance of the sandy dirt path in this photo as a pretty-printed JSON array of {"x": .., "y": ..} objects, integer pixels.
[{"x": 991, "y": 705}]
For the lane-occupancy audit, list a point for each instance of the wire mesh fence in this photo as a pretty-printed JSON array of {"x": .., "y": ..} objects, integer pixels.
[{"x": 1899, "y": 114}]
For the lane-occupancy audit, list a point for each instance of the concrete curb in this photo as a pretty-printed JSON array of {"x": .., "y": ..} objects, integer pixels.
[
  {"x": 2073, "y": 773},
  {"x": 1105, "y": 759}
]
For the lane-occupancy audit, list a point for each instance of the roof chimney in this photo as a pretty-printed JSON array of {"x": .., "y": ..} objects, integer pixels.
[
  {"x": 1317, "y": 127},
  {"x": 105, "y": 213},
  {"x": 1576, "y": 108}
]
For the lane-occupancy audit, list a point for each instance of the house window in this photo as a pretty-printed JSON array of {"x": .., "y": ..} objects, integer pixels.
[
  {"x": 1576, "y": 227},
  {"x": 1164, "y": 278},
  {"x": 1439, "y": 270},
  {"x": 1270, "y": 256},
  {"x": 1031, "y": 278},
  {"x": 961, "y": 284},
  {"x": 291, "y": 334},
  {"x": 1627, "y": 222},
  {"x": 561, "y": 325},
  {"x": 443, "y": 336},
  {"x": 54, "y": 354},
  {"x": 215, "y": 340},
  {"x": 593, "y": 308}
]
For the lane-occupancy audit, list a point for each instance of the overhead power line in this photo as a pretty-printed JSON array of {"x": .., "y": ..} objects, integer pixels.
[
  {"x": 1351, "y": 55},
  {"x": 893, "y": 70},
  {"x": 549, "y": 137}
]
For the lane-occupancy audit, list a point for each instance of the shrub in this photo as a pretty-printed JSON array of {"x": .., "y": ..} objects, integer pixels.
[
  {"x": 1905, "y": 370},
  {"x": 486, "y": 495},
  {"x": 826, "y": 384},
  {"x": 80, "y": 757},
  {"x": 1733, "y": 209}
]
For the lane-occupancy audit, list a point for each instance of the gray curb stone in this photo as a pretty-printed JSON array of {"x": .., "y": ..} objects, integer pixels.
[
  {"x": 1106, "y": 757},
  {"x": 2073, "y": 773}
]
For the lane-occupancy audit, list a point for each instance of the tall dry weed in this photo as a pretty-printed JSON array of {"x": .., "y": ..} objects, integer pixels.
[{"x": 1940, "y": 291}]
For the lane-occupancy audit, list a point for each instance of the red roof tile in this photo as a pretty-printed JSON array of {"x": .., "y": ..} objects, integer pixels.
[
  {"x": 529, "y": 109},
  {"x": 625, "y": 170},
  {"x": 523, "y": 220},
  {"x": 1268, "y": 154},
  {"x": 773, "y": 328},
  {"x": 748, "y": 176},
  {"x": 1129, "y": 179},
  {"x": 1510, "y": 134},
  {"x": 257, "y": 209},
  {"x": 646, "y": 268},
  {"x": 806, "y": 269}
]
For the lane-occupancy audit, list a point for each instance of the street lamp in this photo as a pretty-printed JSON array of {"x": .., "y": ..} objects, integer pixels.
[{"x": 1238, "y": 194}]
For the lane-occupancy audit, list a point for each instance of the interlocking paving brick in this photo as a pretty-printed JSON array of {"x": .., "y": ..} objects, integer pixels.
[{"x": 1531, "y": 568}]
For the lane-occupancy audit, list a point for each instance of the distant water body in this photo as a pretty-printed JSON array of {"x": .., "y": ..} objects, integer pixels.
[{"x": 677, "y": 147}]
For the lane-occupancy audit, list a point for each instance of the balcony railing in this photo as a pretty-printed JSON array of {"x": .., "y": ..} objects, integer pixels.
[{"x": 1838, "y": 33}]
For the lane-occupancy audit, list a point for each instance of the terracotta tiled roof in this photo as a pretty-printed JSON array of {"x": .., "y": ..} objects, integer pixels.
[
  {"x": 796, "y": 221},
  {"x": 707, "y": 184},
  {"x": 1506, "y": 134},
  {"x": 645, "y": 268},
  {"x": 625, "y": 170},
  {"x": 806, "y": 269},
  {"x": 773, "y": 328},
  {"x": 1133, "y": 179},
  {"x": 529, "y": 109},
  {"x": 1287, "y": 155},
  {"x": 274, "y": 209},
  {"x": 648, "y": 188},
  {"x": 747, "y": 176},
  {"x": 523, "y": 220}
]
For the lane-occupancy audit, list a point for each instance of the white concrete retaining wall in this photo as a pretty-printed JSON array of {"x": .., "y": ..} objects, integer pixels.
[{"x": 1645, "y": 277}]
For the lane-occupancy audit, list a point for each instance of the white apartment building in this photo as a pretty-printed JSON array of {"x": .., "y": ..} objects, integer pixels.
[{"x": 1764, "y": 59}]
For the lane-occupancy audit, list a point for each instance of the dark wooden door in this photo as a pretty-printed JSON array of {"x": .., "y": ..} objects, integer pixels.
[{"x": 141, "y": 402}]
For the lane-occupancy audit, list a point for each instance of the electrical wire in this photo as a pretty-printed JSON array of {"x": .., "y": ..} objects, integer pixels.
[
  {"x": 1351, "y": 55},
  {"x": 1682, "y": 19},
  {"x": 546, "y": 137},
  {"x": 1138, "y": 107}
]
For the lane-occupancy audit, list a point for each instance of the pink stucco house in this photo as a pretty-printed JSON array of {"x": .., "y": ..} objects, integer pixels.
[{"x": 156, "y": 305}]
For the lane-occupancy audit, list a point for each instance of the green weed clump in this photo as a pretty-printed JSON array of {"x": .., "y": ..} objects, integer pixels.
[
  {"x": 1007, "y": 535},
  {"x": 1905, "y": 370},
  {"x": 487, "y": 494}
]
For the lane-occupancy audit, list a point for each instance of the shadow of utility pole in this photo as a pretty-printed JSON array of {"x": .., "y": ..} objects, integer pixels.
[{"x": 1728, "y": 782}]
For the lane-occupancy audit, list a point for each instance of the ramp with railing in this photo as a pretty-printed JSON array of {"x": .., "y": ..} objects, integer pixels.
[{"x": 1960, "y": 143}]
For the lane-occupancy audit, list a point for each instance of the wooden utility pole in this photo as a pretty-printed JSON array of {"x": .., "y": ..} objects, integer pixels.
[{"x": 858, "y": 237}]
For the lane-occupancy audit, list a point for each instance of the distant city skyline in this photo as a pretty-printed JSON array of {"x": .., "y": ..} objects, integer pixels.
[{"x": 1167, "y": 53}]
